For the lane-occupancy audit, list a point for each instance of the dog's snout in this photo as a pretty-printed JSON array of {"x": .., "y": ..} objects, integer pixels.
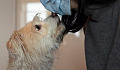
[
  {"x": 53, "y": 14},
  {"x": 55, "y": 17}
]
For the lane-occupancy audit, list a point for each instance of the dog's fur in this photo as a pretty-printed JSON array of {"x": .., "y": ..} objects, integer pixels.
[{"x": 33, "y": 46}]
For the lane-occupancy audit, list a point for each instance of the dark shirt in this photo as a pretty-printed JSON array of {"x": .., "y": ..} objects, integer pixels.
[{"x": 99, "y": 3}]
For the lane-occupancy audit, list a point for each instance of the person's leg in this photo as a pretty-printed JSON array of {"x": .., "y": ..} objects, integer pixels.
[
  {"x": 102, "y": 38},
  {"x": 114, "y": 57}
]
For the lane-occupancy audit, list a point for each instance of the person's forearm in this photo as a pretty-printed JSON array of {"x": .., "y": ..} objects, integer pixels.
[{"x": 74, "y": 4}]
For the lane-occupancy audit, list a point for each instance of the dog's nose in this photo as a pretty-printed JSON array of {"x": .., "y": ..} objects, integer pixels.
[{"x": 53, "y": 14}]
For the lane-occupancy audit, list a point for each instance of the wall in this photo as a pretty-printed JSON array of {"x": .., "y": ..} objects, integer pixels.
[
  {"x": 7, "y": 26},
  {"x": 71, "y": 54}
]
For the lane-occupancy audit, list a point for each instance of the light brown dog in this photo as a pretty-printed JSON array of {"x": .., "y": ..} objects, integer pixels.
[{"x": 33, "y": 46}]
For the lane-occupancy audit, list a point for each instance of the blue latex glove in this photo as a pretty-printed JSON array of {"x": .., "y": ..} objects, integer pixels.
[{"x": 61, "y": 7}]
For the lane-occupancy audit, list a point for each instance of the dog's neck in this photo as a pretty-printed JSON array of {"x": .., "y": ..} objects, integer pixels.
[
  {"x": 37, "y": 60},
  {"x": 36, "y": 56},
  {"x": 35, "y": 63}
]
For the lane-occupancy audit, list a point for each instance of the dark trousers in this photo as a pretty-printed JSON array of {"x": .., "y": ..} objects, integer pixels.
[{"x": 102, "y": 37}]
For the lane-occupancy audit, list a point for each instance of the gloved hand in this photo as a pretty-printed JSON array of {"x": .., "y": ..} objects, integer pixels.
[{"x": 61, "y": 7}]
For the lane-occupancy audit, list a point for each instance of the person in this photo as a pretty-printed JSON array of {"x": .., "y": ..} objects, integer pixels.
[{"x": 102, "y": 34}]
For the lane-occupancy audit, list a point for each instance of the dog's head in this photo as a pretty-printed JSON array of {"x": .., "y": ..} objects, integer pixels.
[{"x": 37, "y": 37}]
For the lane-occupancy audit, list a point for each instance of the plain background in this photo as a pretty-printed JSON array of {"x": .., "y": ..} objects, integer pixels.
[{"x": 70, "y": 54}]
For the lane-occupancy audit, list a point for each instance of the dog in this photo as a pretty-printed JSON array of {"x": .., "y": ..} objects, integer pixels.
[{"x": 33, "y": 46}]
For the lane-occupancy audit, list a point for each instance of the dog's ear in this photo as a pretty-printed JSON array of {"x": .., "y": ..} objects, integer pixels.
[
  {"x": 15, "y": 43},
  {"x": 37, "y": 22},
  {"x": 37, "y": 17},
  {"x": 10, "y": 48}
]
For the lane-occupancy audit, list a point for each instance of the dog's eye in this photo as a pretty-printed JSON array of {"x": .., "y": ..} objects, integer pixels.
[{"x": 37, "y": 27}]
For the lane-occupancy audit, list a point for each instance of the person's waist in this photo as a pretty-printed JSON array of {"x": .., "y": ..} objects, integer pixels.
[{"x": 94, "y": 4}]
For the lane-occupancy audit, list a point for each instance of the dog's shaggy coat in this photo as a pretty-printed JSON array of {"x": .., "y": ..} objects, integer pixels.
[{"x": 33, "y": 47}]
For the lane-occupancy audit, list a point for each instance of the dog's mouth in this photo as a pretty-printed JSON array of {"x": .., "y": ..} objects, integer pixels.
[
  {"x": 59, "y": 22},
  {"x": 54, "y": 15},
  {"x": 61, "y": 30}
]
